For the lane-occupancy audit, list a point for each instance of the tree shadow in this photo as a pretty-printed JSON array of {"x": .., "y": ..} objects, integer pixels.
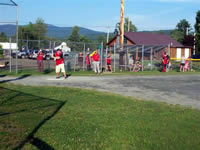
[
  {"x": 2, "y": 75},
  {"x": 40, "y": 144},
  {"x": 18, "y": 78},
  {"x": 22, "y": 115}
]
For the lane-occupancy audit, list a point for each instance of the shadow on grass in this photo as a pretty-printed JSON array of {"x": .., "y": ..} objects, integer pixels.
[
  {"x": 2, "y": 75},
  {"x": 19, "y": 78},
  {"x": 21, "y": 116},
  {"x": 48, "y": 71}
]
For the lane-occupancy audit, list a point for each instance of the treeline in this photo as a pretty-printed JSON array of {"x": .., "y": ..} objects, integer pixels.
[{"x": 37, "y": 31}]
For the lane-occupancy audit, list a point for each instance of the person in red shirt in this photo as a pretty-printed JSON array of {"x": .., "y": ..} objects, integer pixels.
[
  {"x": 87, "y": 60},
  {"x": 40, "y": 60},
  {"x": 164, "y": 63},
  {"x": 96, "y": 61},
  {"x": 59, "y": 63},
  {"x": 108, "y": 60}
]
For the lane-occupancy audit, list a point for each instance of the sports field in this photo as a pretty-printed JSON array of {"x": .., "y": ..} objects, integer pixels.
[{"x": 66, "y": 118}]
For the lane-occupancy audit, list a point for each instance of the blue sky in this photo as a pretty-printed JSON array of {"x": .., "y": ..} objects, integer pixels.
[{"x": 101, "y": 14}]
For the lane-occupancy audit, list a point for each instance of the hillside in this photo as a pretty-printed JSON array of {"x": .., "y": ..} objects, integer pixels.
[
  {"x": 64, "y": 32},
  {"x": 55, "y": 31}
]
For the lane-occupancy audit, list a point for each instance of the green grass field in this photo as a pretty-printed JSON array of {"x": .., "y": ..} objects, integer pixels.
[
  {"x": 68, "y": 118},
  {"x": 91, "y": 73}
]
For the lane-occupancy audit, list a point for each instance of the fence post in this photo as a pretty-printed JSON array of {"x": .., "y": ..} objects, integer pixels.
[
  {"x": 106, "y": 58},
  {"x": 74, "y": 63},
  {"x": 114, "y": 55},
  {"x": 101, "y": 54},
  {"x": 49, "y": 53},
  {"x": 142, "y": 57},
  {"x": 168, "y": 49},
  {"x": 10, "y": 59},
  {"x": 126, "y": 59},
  {"x": 151, "y": 57},
  {"x": 16, "y": 64},
  {"x": 84, "y": 56}
]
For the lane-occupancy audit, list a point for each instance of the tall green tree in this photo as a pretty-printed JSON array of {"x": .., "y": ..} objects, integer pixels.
[
  {"x": 100, "y": 39},
  {"x": 75, "y": 39},
  {"x": 184, "y": 26},
  {"x": 181, "y": 30},
  {"x": 40, "y": 28},
  {"x": 75, "y": 35},
  {"x": 128, "y": 26},
  {"x": 197, "y": 30},
  {"x": 3, "y": 37},
  {"x": 177, "y": 35},
  {"x": 33, "y": 31}
]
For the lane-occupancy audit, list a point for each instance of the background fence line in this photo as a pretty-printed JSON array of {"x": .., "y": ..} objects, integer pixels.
[{"x": 148, "y": 55}]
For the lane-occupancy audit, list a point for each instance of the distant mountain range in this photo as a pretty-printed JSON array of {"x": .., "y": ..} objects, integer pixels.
[
  {"x": 64, "y": 32},
  {"x": 55, "y": 31}
]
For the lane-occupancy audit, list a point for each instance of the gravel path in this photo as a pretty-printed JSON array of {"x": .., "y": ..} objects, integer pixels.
[{"x": 173, "y": 89}]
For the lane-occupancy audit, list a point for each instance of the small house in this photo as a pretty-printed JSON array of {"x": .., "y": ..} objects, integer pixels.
[{"x": 174, "y": 48}]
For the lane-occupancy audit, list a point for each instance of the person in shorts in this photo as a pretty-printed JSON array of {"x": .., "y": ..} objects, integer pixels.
[
  {"x": 182, "y": 65},
  {"x": 108, "y": 60},
  {"x": 131, "y": 63},
  {"x": 59, "y": 64}
]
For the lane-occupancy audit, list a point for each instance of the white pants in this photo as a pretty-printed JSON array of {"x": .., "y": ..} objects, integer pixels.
[
  {"x": 59, "y": 68},
  {"x": 96, "y": 66}
]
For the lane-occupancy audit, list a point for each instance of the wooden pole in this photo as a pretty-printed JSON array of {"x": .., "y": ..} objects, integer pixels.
[
  {"x": 122, "y": 24},
  {"x": 121, "y": 36}
]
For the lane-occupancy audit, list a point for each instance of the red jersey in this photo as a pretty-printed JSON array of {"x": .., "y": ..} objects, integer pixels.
[
  {"x": 95, "y": 57},
  {"x": 61, "y": 60},
  {"x": 165, "y": 60},
  {"x": 40, "y": 56},
  {"x": 87, "y": 59},
  {"x": 108, "y": 60}
]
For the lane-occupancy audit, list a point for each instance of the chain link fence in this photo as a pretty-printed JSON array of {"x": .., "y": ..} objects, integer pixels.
[{"x": 145, "y": 57}]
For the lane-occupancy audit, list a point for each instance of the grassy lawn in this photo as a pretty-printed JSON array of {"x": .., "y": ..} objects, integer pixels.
[
  {"x": 91, "y": 73},
  {"x": 68, "y": 118}
]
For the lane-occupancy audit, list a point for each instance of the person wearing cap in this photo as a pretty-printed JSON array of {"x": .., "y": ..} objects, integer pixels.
[
  {"x": 40, "y": 60},
  {"x": 96, "y": 61},
  {"x": 59, "y": 63}
]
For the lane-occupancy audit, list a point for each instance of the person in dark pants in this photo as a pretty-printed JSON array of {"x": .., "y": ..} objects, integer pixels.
[
  {"x": 88, "y": 62},
  {"x": 40, "y": 60}
]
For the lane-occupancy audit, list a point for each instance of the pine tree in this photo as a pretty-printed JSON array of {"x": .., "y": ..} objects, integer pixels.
[{"x": 197, "y": 30}]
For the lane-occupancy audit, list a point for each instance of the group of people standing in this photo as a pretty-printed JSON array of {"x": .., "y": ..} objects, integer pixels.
[
  {"x": 93, "y": 58},
  {"x": 166, "y": 64},
  {"x": 184, "y": 66},
  {"x": 58, "y": 57}
]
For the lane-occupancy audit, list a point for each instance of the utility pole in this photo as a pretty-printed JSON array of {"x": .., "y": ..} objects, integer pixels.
[
  {"x": 121, "y": 57},
  {"x": 122, "y": 25},
  {"x": 108, "y": 35},
  {"x": 128, "y": 25}
]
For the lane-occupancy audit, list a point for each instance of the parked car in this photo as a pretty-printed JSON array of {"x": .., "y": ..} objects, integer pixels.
[
  {"x": 22, "y": 54},
  {"x": 33, "y": 54},
  {"x": 197, "y": 56},
  {"x": 47, "y": 55}
]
